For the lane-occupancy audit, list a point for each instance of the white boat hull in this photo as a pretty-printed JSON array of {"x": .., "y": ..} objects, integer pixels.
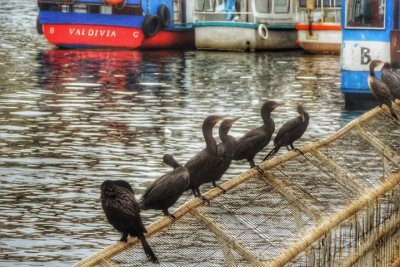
[
  {"x": 243, "y": 39},
  {"x": 324, "y": 38}
]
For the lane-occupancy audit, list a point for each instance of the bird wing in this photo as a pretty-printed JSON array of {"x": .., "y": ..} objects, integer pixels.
[
  {"x": 168, "y": 185},
  {"x": 391, "y": 79},
  {"x": 379, "y": 90},
  {"x": 248, "y": 141},
  {"x": 287, "y": 127}
]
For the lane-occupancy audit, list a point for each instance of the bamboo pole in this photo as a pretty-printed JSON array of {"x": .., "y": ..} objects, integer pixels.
[
  {"x": 340, "y": 175},
  {"x": 335, "y": 220},
  {"x": 384, "y": 149},
  {"x": 382, "y": 231},
  {"x": 220, "y": 233},
  {"x": 291, "y": 197},
  {"x": 114, "y": 249}
]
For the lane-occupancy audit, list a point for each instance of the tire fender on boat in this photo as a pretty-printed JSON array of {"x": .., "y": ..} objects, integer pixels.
[
  {"x": 263, "y": 31},
  {"x": 151, "y": 25},
  {"x": 165, "y": 15}
]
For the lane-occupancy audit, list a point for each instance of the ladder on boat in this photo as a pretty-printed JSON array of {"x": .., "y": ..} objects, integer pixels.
[{"x": 336, "y": 205}]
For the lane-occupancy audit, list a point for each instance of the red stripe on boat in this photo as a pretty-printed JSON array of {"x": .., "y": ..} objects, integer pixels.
[{"x": 319, "y": 27}]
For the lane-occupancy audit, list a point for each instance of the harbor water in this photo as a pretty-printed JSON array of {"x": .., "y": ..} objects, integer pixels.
[{"x": 70, "y": 119}]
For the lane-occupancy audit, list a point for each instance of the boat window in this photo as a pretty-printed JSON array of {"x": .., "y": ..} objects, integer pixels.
[
  {"x": 263, "y": 6},
  {"x": 282, "y": 6},
  {"x": 210, "y": 4},
  {"x": 319, "y": 3},
  {"x": 199, "y": 5},
  {"x": 365, "y": 13}
]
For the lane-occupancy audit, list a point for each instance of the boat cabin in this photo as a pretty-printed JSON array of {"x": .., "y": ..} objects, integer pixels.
[{"x": 370, "y": 31}]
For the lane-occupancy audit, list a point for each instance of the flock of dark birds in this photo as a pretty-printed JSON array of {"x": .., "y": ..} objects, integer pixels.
[
  {"x": 387, "y": 89},
  {"x": 207, "y": 166}
]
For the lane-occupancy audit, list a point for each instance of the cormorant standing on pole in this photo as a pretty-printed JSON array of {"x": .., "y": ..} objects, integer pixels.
[
  {"x": 123, "y": 212},
  {"x": 225, "y": 150},
  {"x": 290, "y": 131},
  {"x": 202, "y": 164},
  {"x": 379, "y": 89},
  {"x": 392, "y": 80},
  {"x": 255, "y": 140},
  {"x": 163, "y": 192}
]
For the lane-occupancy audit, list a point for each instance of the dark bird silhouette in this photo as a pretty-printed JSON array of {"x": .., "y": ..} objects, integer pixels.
[
  {"x": 163, "y": 192},
  {"x": 392, "y": 80},
  {"x": 202, "y": 164},
  {"x": 255, "y": 140},
  {"x": 122, "y": 211},
  {"x": 225, "y": 151},
  {"x": 379, "y": 89},
  {"x": 289, "y": 132}
]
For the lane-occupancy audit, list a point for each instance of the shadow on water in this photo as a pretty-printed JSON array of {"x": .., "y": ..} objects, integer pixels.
[{"x": 71, "y": 119}]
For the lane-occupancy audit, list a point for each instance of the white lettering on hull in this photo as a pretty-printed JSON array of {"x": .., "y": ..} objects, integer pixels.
[{"x": 96, "y": 33}]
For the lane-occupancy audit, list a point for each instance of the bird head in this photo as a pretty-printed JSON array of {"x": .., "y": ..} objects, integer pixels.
[
  {"x": 213, "y": 119},
  {"x": 226, "y": 125},
  {"x": 270, "y": 105},
  {"x": 301, "y": 111},
  {"x": 170, "y": 161},
  {"x": 374, "y": 63}
]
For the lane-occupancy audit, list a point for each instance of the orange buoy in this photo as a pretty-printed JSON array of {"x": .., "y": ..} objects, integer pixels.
[{"x": 113, "y": 2}]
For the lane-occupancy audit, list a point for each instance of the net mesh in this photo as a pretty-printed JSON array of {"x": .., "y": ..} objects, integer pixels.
[{"x": 336, "y": 205}]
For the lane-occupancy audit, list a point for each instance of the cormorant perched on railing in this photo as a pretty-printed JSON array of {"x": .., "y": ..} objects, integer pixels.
[
  {"x": 123, "y": 212},
  {"x": 255, "y": 140},
  {"x": 392, "y": 80},
  {"x": 379, "y": 89},
  {"x": 201, "y": 165},
  {"x": 225, "y": 150},
  {"x": 163, "y": 192},
  {"x": 289, "y": 132}
]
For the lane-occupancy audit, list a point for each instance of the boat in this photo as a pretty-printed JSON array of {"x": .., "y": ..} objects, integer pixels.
[
  {"x": 370, "y": 31},
  {"x": 245, "y": 25},
  {"x": 130, "y": 24},
  {"x": 318, "y": 26}
]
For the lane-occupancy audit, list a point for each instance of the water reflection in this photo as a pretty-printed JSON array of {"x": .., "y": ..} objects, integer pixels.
[{"x": 75, "y": 118}]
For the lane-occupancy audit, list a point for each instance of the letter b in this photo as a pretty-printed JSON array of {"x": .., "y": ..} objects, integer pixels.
[{"x": 365, "y": 56}]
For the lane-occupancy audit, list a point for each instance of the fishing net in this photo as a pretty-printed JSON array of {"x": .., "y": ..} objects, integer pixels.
[{"x": 337, "y": 204}]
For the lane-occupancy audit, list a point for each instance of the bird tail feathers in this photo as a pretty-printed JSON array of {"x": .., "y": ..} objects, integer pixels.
[
  {"x": 147, "y": 249},
  {"x": 272, "y": 153}
]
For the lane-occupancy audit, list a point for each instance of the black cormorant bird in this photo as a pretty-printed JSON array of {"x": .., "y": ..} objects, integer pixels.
[
  {"x": 289, "y": 132},
  {"x": 163, "y": 192},
  {"x": 202, "y": 164},
  {"x": 392, "y": 80},
  {"x": 254, "y": 141},
  {"x": 123, "y": 212},
  {"x": 379, "y": 89},
  {"x": 225, "y": 150}
]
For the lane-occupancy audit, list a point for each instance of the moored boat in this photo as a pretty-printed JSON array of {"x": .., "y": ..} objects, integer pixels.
[
  {"x": 370, "y": 31},
  {"x": 245, "y": 25},
  {"x": 131, "y": 24},
  {"x": 318, "y": 26}
]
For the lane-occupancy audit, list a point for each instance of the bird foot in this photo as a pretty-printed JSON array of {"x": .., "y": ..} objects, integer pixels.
[
  {"x": 204, "y": 199},
  {"x": 261, "y": 171},
  {"x": 173, "y": 218},
  {"x": 298, "y": 150}
]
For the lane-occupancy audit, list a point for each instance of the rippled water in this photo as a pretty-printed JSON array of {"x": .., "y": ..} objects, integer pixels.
[{"x": 70, "y": 119}]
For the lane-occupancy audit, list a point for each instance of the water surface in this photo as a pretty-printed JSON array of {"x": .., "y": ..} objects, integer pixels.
[{"x": 70, "y": 119}]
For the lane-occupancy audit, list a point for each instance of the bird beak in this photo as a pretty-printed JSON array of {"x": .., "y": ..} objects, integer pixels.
[
  {"x": 234, "y": 120},
  {"x": 219, "y": 118},
  {"x": 279, "y": 104}
]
